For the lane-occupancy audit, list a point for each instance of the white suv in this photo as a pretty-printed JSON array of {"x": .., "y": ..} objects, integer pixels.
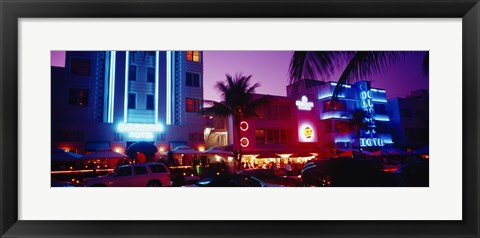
[{"x": 133, "y": 175}]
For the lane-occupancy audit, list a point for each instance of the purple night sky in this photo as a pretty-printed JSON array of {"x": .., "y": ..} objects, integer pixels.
[{"x": 270, "y": 69}]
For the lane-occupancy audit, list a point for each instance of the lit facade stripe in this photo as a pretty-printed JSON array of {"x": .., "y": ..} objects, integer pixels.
[
  {"x": 168, "y": 120},
  {"x": 106, "y": 93},
  {"x": 111, "y": 94},
  {"x": 330, "y": 94},
  {"x": 156, "y": 85},
  {"x": 334, "y": 115},
  {"x": 125, "y": 101},
  {"x": 379, "y": 117}
]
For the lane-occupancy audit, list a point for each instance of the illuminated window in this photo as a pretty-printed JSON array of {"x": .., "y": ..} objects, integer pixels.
[
  {"x": 193, "y": 79},
  {"x": 80, "y": 67},
  {"x": 150, "y": 102},
  {"x": 193, "y": 56},
  {"x": 193, "y": 104},
  {"x": 150, "y": 75},
  {"x": 132, "y": 101},
  {"x": 78, "y": 97},
  {"x": 260, "y": 136},
  {"x": 273, "y": 136},
  {"x": 337, "y": 106},
  {"x": 132, "y": 72}
]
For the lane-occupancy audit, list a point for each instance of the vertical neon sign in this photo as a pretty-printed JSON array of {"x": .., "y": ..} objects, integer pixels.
[{"x": 368, "y": 138}]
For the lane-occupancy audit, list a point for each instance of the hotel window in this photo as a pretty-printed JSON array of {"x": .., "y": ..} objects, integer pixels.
[
  {"x": 161, "y": 136},
  {"x": 193, "y": 79},
  {"x": 78, "y": 97},
  {"x": 337, "y": 106},
  {"x": 150, "y": 75},
  {"x": 283, "y": 112},
  {"x": 273, "y": 136},
  {"x": 193, "y": 104},
  {"x": 150, "y": 102},
  {"x": 277, "y": 112},
  {"x": 193, "y": 56},
  {"x": 132, "y": 101},
  {"x": 379, "y": 109},
  {"x": 80, "y": 67},
  {"x": 132, "y": 72},
  {"x": 260, "y": 136}
]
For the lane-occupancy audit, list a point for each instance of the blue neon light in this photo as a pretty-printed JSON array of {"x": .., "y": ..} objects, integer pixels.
[
  {"x": 156, "y": 85},
  {"x": 381, "y": 117},
  {"x": 344, "y": 85},
  {"x": 329, "y": 94},
  {"x": 111, "y": 91},
  {"x": 379, "y": 100},
  {"x": 139, "y": 131},
  {"x": 125, "y": 109},
  {"x": 333, "y": 114},
  {"x": 342, "y": 140},
  {"x": 169, "y": 88}
]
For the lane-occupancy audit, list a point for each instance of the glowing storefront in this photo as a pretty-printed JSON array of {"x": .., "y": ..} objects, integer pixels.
[{"x": 305, "y": 121}]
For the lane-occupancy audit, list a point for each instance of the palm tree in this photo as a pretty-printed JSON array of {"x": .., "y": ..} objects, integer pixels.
[
  {"x": 355, "y": 123},
  {"x": 238, "y": 102},
  {"x": 355, "y": 65}
]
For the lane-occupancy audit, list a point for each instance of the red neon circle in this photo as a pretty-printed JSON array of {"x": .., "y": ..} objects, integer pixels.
[
  {"x": 244, "y": 142},
  {"x": 243, "y": 126}
]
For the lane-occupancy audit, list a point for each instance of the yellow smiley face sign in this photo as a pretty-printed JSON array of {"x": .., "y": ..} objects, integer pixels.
[{"x": 308, "y": 132}]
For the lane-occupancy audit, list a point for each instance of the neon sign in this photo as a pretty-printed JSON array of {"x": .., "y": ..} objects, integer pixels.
[
  {"x": 243, "y": 126},
  {"x": 244, "y": 142},
  {"x": 368, "y": 138},
  {"x": 368, "y": 142},
  {"x": 308, "y": 132},
  {"x": 304, "y": 104},
  {"x": 139, "y": 131}
]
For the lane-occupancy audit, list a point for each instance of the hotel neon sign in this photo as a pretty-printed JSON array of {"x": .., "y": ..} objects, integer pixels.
[
  {"x": 366, "y": 103},
  {"x": 139, "y": 131},
  {"x": 304, "y": 104}
]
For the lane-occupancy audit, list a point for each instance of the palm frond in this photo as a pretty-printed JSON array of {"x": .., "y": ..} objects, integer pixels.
[
  {"x": 252, "y": 108},
  {"x": 217, "y": 110},
  {"x": 317, "y": 65}
]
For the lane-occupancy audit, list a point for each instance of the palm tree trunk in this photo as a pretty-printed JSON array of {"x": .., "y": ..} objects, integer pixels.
[{"x": 239, "y": 156}]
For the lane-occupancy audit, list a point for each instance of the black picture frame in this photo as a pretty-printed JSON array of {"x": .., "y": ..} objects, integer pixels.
[{"x": 11, "y": 11}]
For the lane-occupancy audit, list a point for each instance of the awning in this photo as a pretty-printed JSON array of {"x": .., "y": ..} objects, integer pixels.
[
  {"x": 105, "y": 154},
  {"x": 175, "y": 144}
]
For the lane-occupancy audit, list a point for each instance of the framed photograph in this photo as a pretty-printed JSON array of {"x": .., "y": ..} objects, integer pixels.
[{"x": 224, "y": 118}]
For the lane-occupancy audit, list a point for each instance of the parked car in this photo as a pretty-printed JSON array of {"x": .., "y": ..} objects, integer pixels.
[
  {"x": 278, "y": 176},
  {"x": 57, "y": 183},
  {"x": 183, "y": 175},
  {"x": 231, "y": 180},
  {"x": 133, "y": 175},
  {"x": 345, "y": 172}
]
